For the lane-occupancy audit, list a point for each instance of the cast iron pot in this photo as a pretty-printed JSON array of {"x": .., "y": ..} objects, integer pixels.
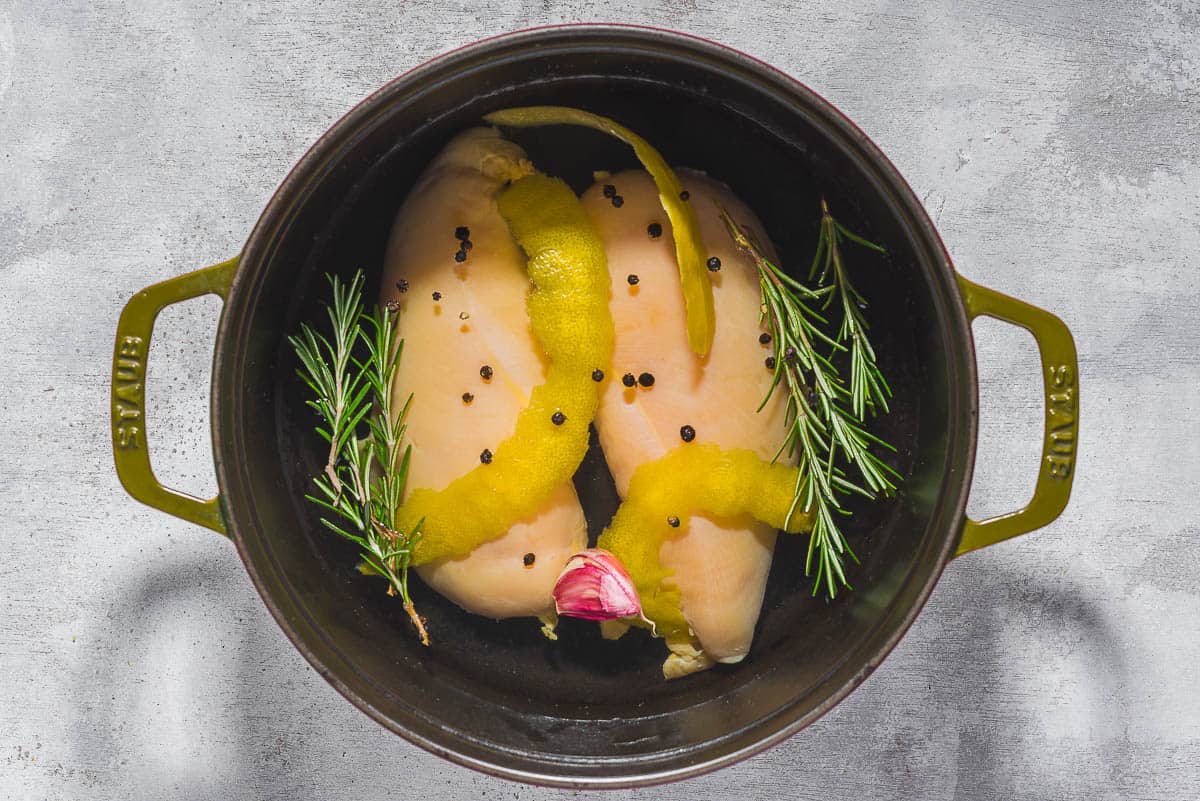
[{"x": 497, "y": 696}]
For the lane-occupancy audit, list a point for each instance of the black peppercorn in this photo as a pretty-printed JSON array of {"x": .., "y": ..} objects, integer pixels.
[
  {"x": 789, "y": 352},
  {"x": 654, "y": 229},
  {"x": 486, "y": 456},
  {"x": 618, "y": 201},
  {"x": 597, "y": 375},
  {"x": 402, "y": 286},
  {"x": 628, "y": 380},
  {"x": 528, "y": 559},
  {"x": 437, "y": 295},
  {"x": 558, "y": 418},
  {"x": 684, "y": 195},
  {"x": 393, "y": 306},
  {"x": 468, "y": 397},
  {"x": 769, "y": 362},
  {"x": 714, "y": 264},
  {"x": 673, "y": 521},
  {"x": 687, "y": 433},
  {"x": 646, "y": 380},
  {"x": 632, "y": 279},
  {"x": 485, "y": 373},
  {"x": 460, "y": 256},
  {"x": 462, "y": 232},
  {"x": 610, "y": 190},
  {"x": 467, "y": 244},
  {"x": 764, "y": 338}
]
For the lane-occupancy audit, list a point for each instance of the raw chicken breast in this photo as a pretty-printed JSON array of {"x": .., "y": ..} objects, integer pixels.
[
  {"x": 477, "y": 320},
  {"x": 720, "y": 565}
]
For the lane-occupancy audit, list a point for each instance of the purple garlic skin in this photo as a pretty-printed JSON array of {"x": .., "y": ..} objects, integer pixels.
[{"x": 594, "y": 585}]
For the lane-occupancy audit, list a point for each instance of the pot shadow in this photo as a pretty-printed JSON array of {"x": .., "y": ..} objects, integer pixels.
[
  {"x": 192, "y": 692},
  {"x": 1009, "y": 686}
]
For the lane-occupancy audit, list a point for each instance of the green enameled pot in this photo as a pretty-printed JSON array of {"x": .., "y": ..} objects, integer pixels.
[{"x": 497, "y": 696}]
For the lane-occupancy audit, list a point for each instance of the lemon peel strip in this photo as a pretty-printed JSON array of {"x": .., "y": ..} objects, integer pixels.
[
  {"x": 692, "y": 479},
  {"x": 685, "y": 230},
  {"x": 568, "y": 312}
]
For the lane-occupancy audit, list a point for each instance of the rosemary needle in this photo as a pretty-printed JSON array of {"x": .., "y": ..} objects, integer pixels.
[
  {"x": 868, "y": 388},
  {"x": 362, "y": 483},
  {"x": 825, "y": 416}
]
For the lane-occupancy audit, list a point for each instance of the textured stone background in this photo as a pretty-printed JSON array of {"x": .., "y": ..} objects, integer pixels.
[{"x": 1059, "y": 153}]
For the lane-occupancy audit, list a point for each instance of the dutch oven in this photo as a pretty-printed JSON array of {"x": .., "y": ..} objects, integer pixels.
[{"x": 497, "y": 696}]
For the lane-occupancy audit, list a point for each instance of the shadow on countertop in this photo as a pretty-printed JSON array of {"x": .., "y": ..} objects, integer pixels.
[
  {"x": 194, "y": 693},
  {"x": 1009, "y": 687}
]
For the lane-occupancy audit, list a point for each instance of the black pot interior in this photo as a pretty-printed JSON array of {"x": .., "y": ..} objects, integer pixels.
[{"x": 497, "y": 694}]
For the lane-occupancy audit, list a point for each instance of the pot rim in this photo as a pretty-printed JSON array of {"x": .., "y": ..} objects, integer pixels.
[{"x": 963, "y": 375}]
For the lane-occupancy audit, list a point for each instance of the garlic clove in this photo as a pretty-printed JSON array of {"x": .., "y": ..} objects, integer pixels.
[
  {"x": 686, "y": 658},
  {"x": 594, "y": 585}
]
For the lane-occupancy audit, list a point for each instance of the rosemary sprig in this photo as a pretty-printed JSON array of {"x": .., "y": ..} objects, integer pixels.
[
  {"x": 825, "y": 417},
  {"x": 362, "y": 483}
]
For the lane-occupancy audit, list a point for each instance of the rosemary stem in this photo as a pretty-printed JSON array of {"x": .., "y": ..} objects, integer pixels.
[
  {"x": 363, "y": 480},
  {"x": 825, "y": 414}
]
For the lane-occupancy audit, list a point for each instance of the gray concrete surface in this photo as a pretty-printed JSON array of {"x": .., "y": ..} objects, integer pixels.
[{"x": 1058, "y": 149}]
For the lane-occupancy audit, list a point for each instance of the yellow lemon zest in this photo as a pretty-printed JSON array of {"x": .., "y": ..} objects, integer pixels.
[
  {"x": 689, "y": 248},
  {"x": 692, "y": 479},
  {"x": 568, "y": 312}
]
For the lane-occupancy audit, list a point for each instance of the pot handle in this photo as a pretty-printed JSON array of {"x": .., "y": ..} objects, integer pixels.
[
  {"x": 1060, "y": 372},
  {"x": 130, "y": 441}
]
